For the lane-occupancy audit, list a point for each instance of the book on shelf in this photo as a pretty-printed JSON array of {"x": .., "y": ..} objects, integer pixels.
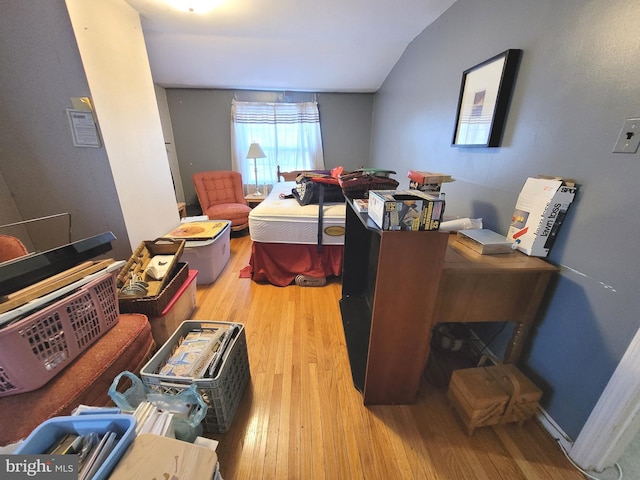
[
  {"x": 428, "y": 188},
  {"x": 361, "y": 205},
  {"x": 484, "y": 241},
  {"x": 427, "y": 178}
]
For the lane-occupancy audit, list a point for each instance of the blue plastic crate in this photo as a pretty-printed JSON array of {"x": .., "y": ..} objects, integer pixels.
[{"x": 53, "y": 429}]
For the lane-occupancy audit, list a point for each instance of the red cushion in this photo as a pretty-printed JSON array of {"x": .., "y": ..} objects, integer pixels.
[
  {"x": 219, "y": 190},
  {"x": 237, "y": 213}
]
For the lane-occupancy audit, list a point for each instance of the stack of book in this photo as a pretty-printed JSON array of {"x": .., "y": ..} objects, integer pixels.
[
  {"x": 361, "y": 205},
  {"x": 485, "y": 242},
  {"x": 427, "y": 181},
  {"x": 194, "y": 353},
  {"x": 92, "y": 450}
]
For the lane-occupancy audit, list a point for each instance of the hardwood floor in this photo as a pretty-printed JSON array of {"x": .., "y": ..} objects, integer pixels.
[{"x": 301, "y": 418}]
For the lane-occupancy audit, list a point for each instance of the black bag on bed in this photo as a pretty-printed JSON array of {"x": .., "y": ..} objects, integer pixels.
[
  {"x": 309, "y": 188},
  {"x": 317, "y": 189}
]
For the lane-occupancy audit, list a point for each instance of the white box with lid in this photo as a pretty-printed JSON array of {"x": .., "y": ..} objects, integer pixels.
[{"x": 208, "y": 255}]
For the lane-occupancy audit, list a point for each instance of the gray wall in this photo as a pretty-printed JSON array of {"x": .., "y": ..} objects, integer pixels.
[
  {"x": 577, "y": 83},
  {"x": 201, "y": 121},
  {"x": 44, "y": 173}
]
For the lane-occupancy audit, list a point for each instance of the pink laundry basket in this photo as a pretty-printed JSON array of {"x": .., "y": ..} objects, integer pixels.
[{"x": 36, "y": 348}]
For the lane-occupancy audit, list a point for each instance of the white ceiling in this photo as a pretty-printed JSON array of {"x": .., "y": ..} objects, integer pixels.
[{"x": 321, "y": 46}]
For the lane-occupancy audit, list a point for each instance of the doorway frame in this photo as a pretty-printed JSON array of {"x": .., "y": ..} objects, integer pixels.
[{"x": 615, "y": 420}]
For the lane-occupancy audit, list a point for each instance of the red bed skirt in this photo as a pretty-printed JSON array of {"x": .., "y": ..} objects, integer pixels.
[{"x": 280, "y": 263}]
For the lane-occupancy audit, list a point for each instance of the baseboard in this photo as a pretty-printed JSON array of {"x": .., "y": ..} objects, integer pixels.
[
  {"x": 554, "y": 429},
  {"x": 548, "y": 423}
]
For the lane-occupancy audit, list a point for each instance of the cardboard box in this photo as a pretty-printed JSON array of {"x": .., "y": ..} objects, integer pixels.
[
  {"x": 152, "y": 456},
  {"x": 540, "y": 210},
  {"x": 405, "y": 210}
]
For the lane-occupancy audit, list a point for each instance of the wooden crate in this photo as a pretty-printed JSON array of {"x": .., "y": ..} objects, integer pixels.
[
  {"x": 153, "y": 306},
  {"x": 137, "y": 264},
  {"x": 492, "y": 395}
]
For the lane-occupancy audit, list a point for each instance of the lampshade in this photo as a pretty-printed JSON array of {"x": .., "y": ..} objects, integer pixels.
[{"x": 255, "y": 151}]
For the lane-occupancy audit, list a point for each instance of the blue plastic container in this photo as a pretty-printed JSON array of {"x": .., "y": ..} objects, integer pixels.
[{"x": 53, "y": 429}]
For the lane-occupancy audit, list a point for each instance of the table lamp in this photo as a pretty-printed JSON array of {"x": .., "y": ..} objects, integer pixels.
[{"x": 255, "y": 152}]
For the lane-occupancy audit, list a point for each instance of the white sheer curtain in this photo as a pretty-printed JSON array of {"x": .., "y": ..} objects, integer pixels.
[{"x": 289, "y": 134}]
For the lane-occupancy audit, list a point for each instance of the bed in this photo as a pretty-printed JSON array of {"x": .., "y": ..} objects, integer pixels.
[{"x": 285, "y": 242}]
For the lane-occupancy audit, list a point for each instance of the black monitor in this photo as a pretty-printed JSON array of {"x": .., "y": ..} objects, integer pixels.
[{"x": 25, "y": 271}]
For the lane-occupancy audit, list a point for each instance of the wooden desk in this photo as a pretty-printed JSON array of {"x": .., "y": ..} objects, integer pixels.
[
  {"x": 492, "y": 288},
  {"x": 396, "y": 286}
]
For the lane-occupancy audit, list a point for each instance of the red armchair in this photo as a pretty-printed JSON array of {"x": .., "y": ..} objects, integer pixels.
[
  {"x": 221, "y": 197},
  {"x": 10, "y": 248}
]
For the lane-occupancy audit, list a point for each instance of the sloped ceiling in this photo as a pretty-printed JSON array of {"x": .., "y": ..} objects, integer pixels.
[{"x": 324, "y": 46}]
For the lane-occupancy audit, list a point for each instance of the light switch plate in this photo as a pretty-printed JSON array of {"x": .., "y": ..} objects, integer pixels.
[{"x": 629, "y": 137}]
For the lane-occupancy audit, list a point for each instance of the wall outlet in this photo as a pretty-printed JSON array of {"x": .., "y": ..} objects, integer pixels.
[{"x": 629, "y": 137}]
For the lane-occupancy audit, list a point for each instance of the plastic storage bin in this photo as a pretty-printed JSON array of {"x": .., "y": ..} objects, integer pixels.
[
  {"x": 177, "y": 311},
  {"x": 222, "y": 392},
  {"x": 53, "y": 429},
  {"x": 36, "y": 348},
  {"x": 209, "y": 257}
]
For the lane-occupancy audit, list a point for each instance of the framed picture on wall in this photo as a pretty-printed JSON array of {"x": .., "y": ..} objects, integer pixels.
[{"x": 485, "y": 93}]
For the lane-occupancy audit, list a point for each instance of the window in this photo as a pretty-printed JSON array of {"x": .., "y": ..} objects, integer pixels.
[{"x": 289, "y": 134}]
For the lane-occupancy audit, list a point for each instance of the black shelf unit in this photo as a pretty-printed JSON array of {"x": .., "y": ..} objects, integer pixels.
[{"x": 389, "y": 287}]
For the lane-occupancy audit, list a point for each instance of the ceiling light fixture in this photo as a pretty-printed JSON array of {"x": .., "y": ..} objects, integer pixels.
[{"x": 195, "y": 6}]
